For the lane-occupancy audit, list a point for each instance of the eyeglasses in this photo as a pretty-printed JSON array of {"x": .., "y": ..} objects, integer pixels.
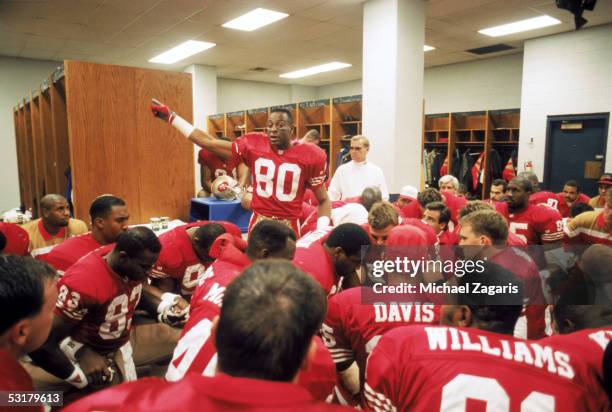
[{"x": 357, "y": 149}]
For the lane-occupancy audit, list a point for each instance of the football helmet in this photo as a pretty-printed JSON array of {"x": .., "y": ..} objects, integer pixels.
[{"x": 225, "y": 187}]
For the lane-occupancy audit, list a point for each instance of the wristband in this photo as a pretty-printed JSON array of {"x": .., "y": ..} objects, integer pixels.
[
  {"x": 181, "y": 125},
  {"x": 167, "y": 300},
  {"x": 70, "y": 347},
  {"x": 323, "y": 222},
  {"x": 77, "y": 378}
]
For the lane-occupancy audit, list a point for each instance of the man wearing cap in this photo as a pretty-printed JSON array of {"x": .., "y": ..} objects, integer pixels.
[
  {"x": 407, "y": 195},
  {"x": 605, "y": 181},
  {"x": 592, "y": 227}
]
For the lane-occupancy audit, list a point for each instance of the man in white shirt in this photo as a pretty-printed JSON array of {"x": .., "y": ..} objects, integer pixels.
[{"x": 351, "y": 178}]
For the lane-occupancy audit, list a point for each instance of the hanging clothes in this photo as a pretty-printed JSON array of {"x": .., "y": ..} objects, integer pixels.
[
  {"x": 444, "y": 167},
  {"x": 496, "y": 166},
  {"x": 476, "y": 171},
  {"x": 509, "y": 171}
]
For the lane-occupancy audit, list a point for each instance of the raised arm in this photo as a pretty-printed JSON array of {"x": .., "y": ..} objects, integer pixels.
[{"x": 219, "y": 147}]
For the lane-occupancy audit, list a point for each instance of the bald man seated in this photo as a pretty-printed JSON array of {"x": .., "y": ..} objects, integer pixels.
[{"x": 54, "y": 226}]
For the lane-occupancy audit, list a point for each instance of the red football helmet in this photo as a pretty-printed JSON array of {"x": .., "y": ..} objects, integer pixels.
[{"x": 225, "y": 187}]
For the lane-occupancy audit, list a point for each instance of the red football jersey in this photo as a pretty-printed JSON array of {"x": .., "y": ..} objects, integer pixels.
[
  {"x": 98, "y": 301},
  {"x": 545, "y": 198},
  {"x": 439, "y": 368},
  {"x": 352, "y": 328},
  {"x": 13, "y": 378},
  {"x": 311, "y": 257},
  {"x": 195, "y": 351},
  {"x": 308, "y": 220},
  {"x": 218, "y": 166},
  {"x": 17, "y": 239},
  {"x": 66, "y": 254},
  {"x": 455, "y": 204},
  {"x": 178, "y": 259},
  {"x": 589, "y": 343},
  {"x": 221, "y": 393},
  {"x": 432, "y": 237},
  {"x": 537, "y": 224},
  {"x": 520, "y": 263},
  {"x": 564, "y": 208},
  {"x": 412, "y": 211},
  {"x": 280, "y": 177}
]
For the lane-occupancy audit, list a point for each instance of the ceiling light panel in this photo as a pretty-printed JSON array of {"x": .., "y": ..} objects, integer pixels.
[
  {"x": 520, "y": 26},
  {"x": 255, "y": 19},
  {"x": 182, "y": 51},
  {"x": 315, "y": 70}
]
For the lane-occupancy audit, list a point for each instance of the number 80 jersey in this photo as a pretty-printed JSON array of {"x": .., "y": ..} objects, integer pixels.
[{"x": 280, "y": 177}]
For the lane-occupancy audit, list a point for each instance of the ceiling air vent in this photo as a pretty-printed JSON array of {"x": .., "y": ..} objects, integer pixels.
[
  {"x": 491, "y": 49},
  {"x": 258, "y": 69}
]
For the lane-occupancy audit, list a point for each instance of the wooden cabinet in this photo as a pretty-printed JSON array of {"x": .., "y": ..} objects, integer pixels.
[
  {"x": 336, "y": 120},
  {"x": 473, "y": 133},
  {"x": 95, "y": 119}
]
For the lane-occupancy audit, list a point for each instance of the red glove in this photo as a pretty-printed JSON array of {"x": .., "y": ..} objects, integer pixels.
[{"x": 162, "y": 111}]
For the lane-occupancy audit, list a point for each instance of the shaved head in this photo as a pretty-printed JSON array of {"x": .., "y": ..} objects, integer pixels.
[{"x": 48, "y": 201}]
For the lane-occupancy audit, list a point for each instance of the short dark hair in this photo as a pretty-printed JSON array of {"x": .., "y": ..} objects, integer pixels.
[
  {"x": 350, "y": 237},
  {"x": 573, "y": 183},
  {"x": 445, "y": 213},
  {"x": 270, "y": 235},
  {"x": 48, "y": 201},
  {"x": 283, "y": 110},
  {"x": 22, "y": 288},
  {"x": 136, "y": 240},
  {"x": 500, "y": 182},
  {"x": 205, "y": 235},
  {"x": 497, "y": 313},
  {"x": 268, "y": 318},
  {"x": 429, "y": 195},
  {"x": 579, "y": 207},
  {"x": 369, "y": 196},
  {"x": 523, "y": 182},
  {"x": 103, "y": 205}
]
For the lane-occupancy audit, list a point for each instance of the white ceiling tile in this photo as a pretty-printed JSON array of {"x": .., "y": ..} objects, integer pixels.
[{"x": 129, "y": 32}]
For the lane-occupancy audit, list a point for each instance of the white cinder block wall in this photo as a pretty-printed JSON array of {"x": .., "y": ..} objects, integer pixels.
[{"x": 570, "y": 73}]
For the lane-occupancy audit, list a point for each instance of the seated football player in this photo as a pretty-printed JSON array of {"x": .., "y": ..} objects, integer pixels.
[
  {"x": 416, "y": 209},
  {"x": 605, "y": 182},
  {"x": 259, "y": 357},
  {"x": 381, "y": 219},
  {"x": 583, "y": 313},
  {"x": 312, "y": 136},
  {"x": 184, "y": 256},
  {"x": 483, "y": 234},
  {"x": 476, "y": 359},
  {"x": 538, "y": 196},
  {"x": 109, "y": 218},
  {"x": 498, "y": 190},
  {"x": 89, "y": 345},
  {"x": 16, "y": 240},
  {"x": 537, "y": 224},
  {"x": 27, "y": 298},
  {"x": 407, "y": 195},
  {"x": 591, "y": 227},
  {"x": 437, "y": 215},
  {"x": 476, "y": 205},
  {"x": 353, "y": 325},
  {"x": 54, "y": 225},
  {"x": 213, "y": 166},
  {"x": 332, "y": 254},
  {"x": 569, "y": 197}
]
